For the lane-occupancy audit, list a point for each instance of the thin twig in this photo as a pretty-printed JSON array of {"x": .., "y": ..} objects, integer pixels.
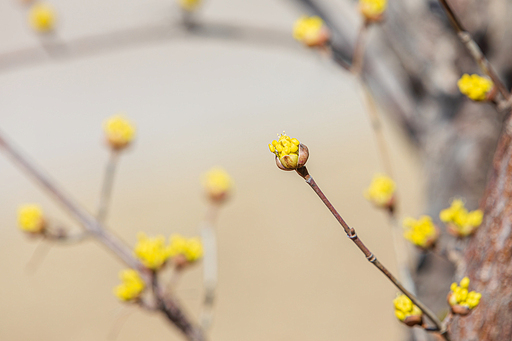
[
  {"x": 170, "y": 307},
  {"x": 106, "y": 188},
  {"x": 359, "y": 48},
  {"x": 209, "y": 239},
  {"x": 351, "y": 233},
  {"x": 474, "y": 49}
]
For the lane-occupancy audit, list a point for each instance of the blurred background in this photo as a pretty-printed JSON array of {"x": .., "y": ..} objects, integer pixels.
[{"x": 286, "y": 269}]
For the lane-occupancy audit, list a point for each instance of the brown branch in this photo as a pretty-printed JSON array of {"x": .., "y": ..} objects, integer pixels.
[
  {"x": 351, "y": 233},
  {"x": 170, "y": 306}
]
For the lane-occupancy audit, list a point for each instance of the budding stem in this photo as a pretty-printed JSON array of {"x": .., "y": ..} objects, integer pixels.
[
  {"x": 351, "y": 233},
  {"x": 106, "y": 189}
]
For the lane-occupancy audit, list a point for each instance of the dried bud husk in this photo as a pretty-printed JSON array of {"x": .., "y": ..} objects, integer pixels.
[
  {"x": 413, "y": 320},
  {"x": 321, "y": 39},
  {"x": 456, "y": 308},
  {"x": 293, "y": 161}
]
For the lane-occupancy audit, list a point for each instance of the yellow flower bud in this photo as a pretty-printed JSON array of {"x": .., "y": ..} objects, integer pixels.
[
  {"x": 459, "y": 221},
  {"x": 381, "y": 191},
  {"x": 460, "y": 300},
  {"x": 185, "y": 251},
  {"x": 42, "y": 17},
  {"x": 475, "y": 87},
  {"x": 131, "y": 287},
  {"x": 290, "y": 153},
  {"x": 119, "y": 132},
  {"x": 372, "y": 10},
  {"x": 190, "y": 5},
  {"x": 422, "y": 232},
  {"x": 217, "y": 184},
  {"x": 152, "y": 252},
  {"x": 406, "y": 311},
  {"x": 31, "y": 218},
  {"x": 311, "y": 31}
]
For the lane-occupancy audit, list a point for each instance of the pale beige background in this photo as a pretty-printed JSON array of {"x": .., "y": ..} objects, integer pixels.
[{"x": 287, "y": 272}]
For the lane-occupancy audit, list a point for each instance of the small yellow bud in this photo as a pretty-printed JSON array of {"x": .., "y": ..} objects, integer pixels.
[
  {"x": 190, "y": 5},
  {"x": 217, "y": 184},
  {"x": 372, "y": 10},
  {"x": 475, "y": 87},
  {"x": 185, "y": 251},
  {"x": 459, "y": 221},
  {"x": 422, "y": 232},
  {"x": 152, "y": 252},
  {"x": 290, "y": 153},
  {"x": 119, "y": 132},
  {"x": 311, "y": 31},
  {"x": 381, "y": 192},
  {"x": 42, "y": 17},
  {"x": 31, "y": 218},
  {"x": 131, "y": 287},
  {"x": 460, "y": 299},
  {"x": 406, "y": 311}
]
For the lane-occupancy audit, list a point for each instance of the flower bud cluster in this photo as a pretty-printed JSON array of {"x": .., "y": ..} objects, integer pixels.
[
  {"x": 290, "y": 153},
  {"x": 31, "y": 218},
  {"x": 459, "y": 221},
  {"x": 475, "y": 87},
  {"x": 190, "y": 5},
  {"x": 372, "y": 10},
  {"x": 42, "y": 17},
  {"x": 217, "y": 184},
  {"x": 462, "y": 301},
  {"x": 154, "y": 252},
  {"x": 311, "y": 31},
  {"x": 119, "y": 132},
  {"x": 406, "y": 311},
  {"x": 381, "y": 191},
  {"x": 422, "y": 232},
  {"x": 131, "y": 287}
]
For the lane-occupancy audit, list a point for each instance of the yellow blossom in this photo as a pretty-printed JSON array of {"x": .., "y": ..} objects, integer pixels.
[
  {"x": 190, "y": 5},
  {"x": 404, "y": 308},
  {"x": 217, "y": 184},
  {"x": 152, "y": 252},
  {"x": 190, "y": 248},
  {"x": 475, "y": 87},
  {"x": 119, "y": 131},
  {"x": 372, "y": 9},
  {"x": 131, "y": 287},
  {"x": 422, "y": 232},
  {"x": 42, "y": 17},
  {"x": 290, "y": 153},
  {"x": 311, "y": 31},
  {"x": 381, "y": 191},
  {"x": 31, "y": 218},
  {"x": 460, "y": 222},
  {"x": 459, "y": 295}
]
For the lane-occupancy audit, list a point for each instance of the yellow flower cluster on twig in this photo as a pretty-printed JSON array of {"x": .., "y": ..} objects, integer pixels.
[
  {"x": 422, "y": 232},
  {"x": 460, "y": 222},
  {"x": 152, "y": 252},
  {"x": 131, "y": 287},
  {"x": 290, "y": 153},
  {"x": 406, "y": 311},
  {"x": 475, "y": 87},
  {"x": 185, "y": 250},
  {"x": 372, "y": 10},
  {"x": 217, "y": 184},
  {"x": 311, "y": 31},
  {"x": 119, "y": 132},
  {"x": 460, "y": 299},
  {"x": 381, "y": 191},
  {"x": 42, "y": 17},
  {"x": 31, "y": 218}
]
